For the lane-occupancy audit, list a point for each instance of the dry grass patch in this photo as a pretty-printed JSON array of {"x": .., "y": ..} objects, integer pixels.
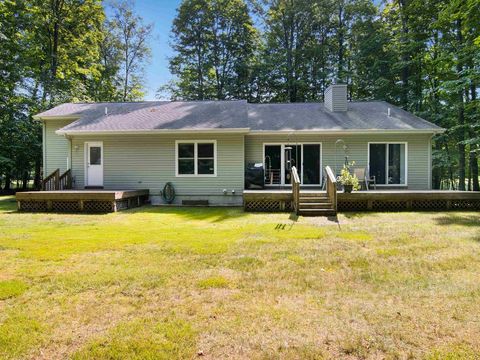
[{"x": 173, "y": 282}]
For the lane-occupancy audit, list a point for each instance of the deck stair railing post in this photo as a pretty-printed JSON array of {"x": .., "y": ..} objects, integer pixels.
[
  {"x": 295, "y": 188},
  {"x": 331, "y": 187},
  {"x": 65, "y": 180},
  {"x": 52, "y": 181},
  {"x": 55, "y": 181}
]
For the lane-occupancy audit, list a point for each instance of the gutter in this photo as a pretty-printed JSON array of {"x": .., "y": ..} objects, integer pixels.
[
  {"x": 349, "y": 131},
  {"x": 153, "y": 131},
  {"x": 56, "y": 117}
]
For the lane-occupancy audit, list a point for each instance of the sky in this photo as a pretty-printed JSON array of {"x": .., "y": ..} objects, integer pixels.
[{"x": 161, "y": 13}]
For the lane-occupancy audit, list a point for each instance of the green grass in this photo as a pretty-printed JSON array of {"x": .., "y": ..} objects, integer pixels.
[
  {"x": 172, "y": 283},
  {"x": 11, "y": 288}
]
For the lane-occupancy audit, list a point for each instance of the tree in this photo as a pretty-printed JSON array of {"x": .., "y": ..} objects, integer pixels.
[
  {"x": 215, "y": 42},
  {"x": 129, "y": 46}
]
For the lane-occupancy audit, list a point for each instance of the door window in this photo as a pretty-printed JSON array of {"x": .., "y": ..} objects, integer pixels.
[{"x": 95, "y": 155}]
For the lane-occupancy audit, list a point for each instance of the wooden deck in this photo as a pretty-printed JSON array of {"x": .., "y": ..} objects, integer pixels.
[
  {"x": 373, "y": 200},
  {"x": 80, "y": 200}
]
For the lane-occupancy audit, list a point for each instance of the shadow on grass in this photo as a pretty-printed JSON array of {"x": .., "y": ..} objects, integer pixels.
[
  {"x": 357, "y": 215},
  {"x": 213, "y": 214},
  {"x": 8, "y": 204},
  {"x": 463, "y": 220}
]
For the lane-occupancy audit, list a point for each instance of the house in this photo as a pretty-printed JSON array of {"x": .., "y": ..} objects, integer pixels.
[{"x": 203, "y": 147}]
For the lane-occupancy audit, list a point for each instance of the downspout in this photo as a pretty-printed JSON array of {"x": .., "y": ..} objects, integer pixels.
[{"x": 44, "y": 147}]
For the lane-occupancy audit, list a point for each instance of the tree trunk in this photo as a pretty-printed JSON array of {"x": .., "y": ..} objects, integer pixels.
[
  {"x": 405, "y": 55},
  {"x": 8, "y": 182},
  {"x": 461, "y": 115},
  {"x": 437, "y": 172},
  {"x": 473, "y": 159},
  {"x": 25, "y": 179},
  {"x": 36, "y": 181}
]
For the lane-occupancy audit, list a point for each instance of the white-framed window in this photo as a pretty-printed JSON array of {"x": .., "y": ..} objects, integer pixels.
[
  {"x": 388, "y": 162},
  {"x": 195, "y": 158}
]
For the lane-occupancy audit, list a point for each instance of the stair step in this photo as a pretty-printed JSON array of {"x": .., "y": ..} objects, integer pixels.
[
  {"x": 309, "y": 205},
  {"x": 313, "y": 200},
  {"x": 316, "y": 212},
  {"x": 305, "y": 194}
]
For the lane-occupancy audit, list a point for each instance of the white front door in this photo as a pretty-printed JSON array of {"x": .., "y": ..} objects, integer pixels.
[{"x": 94, "y": 164}]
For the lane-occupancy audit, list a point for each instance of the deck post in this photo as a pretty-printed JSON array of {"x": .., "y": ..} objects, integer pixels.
[
  {"x": 49, "y": 205},
  {"x": 80, "y": 205},
  {"x": 369, "y": 204},
  {"x": 409, "y": 204}
]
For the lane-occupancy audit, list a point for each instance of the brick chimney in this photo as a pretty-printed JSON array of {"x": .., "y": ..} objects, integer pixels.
[{"x": 336, "y": 97}]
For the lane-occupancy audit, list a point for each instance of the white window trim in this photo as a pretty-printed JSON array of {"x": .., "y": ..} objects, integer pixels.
[
  {"x": 386, "y": 163},
  {"x": 195, "y": 157},
  {"x": 282, "y": 159}
]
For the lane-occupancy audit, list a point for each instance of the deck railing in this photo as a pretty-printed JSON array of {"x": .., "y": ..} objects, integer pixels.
[
  {"x": 273, "y": 176},
  {"x": 55, "y": 181},
  {"x": 65, "y": 180},
  {"x": 331, "y": 187},
  {"x": 52, "y": 181},
  {"x": 295, "y": 188}
]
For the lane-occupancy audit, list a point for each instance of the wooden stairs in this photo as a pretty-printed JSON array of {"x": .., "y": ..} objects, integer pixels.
[{"x": 315, "y": 204}]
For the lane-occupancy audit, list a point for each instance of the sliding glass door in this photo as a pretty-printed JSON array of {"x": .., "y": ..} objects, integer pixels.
[
  {"x": 273, "y": 164},
  {"x": 311, "y": 174},
  {"x": 278, "y": 159},
  {"x": 388, "y": 163}
]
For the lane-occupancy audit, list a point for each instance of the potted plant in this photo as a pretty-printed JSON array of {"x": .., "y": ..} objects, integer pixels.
[{"x": 349, "y": 181}]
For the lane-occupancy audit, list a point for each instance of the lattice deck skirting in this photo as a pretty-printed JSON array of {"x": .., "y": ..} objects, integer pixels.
[
  {"x": 268, "y": 205},
  {"x": 81, "y": 202},
  {"x": 427, "y": 201}
]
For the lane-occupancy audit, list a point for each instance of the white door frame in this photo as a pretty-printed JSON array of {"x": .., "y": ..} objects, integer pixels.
[
  {"x": 282, "y": 159},
  {"x": 87, "y": 159}
]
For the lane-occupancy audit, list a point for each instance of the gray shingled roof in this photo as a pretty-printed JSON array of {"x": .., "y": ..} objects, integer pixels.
[
  {"x": 223, "y": 115},
  {"x": 367, "y": 115}
]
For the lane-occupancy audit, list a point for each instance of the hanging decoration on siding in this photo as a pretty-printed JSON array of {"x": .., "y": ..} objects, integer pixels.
[{"x": 168, "y": 193}]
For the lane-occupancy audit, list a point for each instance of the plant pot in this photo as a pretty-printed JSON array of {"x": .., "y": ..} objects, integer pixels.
[{"x": 347, "y": 188}]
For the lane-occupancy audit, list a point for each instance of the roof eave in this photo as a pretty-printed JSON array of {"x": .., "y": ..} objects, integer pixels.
[
  {"x": 348, "y": 131},
  {"x": 55, "y": 117},
  {"x": 152, "y": 131}
]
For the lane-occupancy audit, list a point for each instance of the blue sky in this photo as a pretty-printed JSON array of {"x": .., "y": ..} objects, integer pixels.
[{"x": 161, "y": 13}]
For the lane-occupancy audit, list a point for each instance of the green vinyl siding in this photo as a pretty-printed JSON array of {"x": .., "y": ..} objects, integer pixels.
[
  {"x": 418, "y": 166},
  {"x": 148, "y": 162},
  {"x": 56, "y": 148}
]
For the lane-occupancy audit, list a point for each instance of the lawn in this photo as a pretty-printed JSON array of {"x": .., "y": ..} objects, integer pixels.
[{"x": 158, "y": 283}]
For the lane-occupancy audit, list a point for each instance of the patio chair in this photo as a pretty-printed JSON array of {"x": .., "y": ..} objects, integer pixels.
[{"x": 364, "y": 178}]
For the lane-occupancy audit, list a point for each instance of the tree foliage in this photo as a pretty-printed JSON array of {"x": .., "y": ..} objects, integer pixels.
[
  {"x": 60, "y": 51},
  {"x": 214, "y": 41},
  {"x": 422, "y": 55}
]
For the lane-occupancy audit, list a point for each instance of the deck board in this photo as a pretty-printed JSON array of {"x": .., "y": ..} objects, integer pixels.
[{"x": 107, "y": 195}]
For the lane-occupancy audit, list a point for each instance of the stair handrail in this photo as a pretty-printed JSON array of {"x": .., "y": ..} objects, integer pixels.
[
  {"x": 295, "y": 179},
  {"x": 52, "y": 181},
  {"x": 331, "y": 187},
  {"x": 65, "y": 180}
]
